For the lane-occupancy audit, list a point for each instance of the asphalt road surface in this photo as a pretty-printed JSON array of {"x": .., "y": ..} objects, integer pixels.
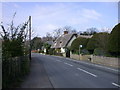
[{"x": 68, "y": 73}]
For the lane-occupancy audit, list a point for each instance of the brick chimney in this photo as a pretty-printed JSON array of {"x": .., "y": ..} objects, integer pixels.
[{"x": 65, "y": 32}]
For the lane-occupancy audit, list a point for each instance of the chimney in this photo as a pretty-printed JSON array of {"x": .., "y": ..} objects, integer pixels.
[{"x": 65, "y": 32}]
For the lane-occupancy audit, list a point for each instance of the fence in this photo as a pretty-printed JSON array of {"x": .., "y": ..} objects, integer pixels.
[{"x": 13, "y": 69}]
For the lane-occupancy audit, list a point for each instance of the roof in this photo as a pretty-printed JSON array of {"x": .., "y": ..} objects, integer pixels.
[
  {"x": 85, "y": 36},
  {"x": 50, "y": 42},
  {"x": 63, "y": 40}
]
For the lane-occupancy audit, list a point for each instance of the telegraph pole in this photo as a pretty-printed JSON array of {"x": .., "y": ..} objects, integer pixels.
[{"x": 30, "y": 37}]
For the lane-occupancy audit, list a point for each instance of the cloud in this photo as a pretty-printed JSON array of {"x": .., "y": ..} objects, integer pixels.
[
  {"x": 1, "y": 11},
  {"x": 85, "y": 16},
  {"x": 61, "y": 15},
  {"x": 91, "y": 14},
  {"x": 60, "y": 0},
  {"x": 48, "y": 16},
  {"x": 49, "y": 12},
  {"x": 16, "y": 5},
  {"x": 44, "y": 29},
  {"x": 62, "y": 12}
]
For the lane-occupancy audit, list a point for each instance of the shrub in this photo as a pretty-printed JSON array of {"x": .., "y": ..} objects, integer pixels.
[
  {"x": 51, "y": 51},
  {"x": 114, "y": 41},
  {"x": 99, "y": 52},
  {"x": 77, "y": 42},
  {"x": 14, "y": 46},
  {"x": 99, "y": 40},
  {"x": 85, "y": 52}
]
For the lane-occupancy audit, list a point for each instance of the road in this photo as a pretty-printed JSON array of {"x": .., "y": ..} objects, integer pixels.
[{"x": 69, "y": 73}]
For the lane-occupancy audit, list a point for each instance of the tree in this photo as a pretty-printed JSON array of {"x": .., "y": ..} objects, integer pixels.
[
  {"x": 46, "y": 38},
  {"x": 57, "y": 32},
  {"x": 47, "y": 46},
  {"x": 36, "y": 43},
  {"x": 90, "y": 31},
  {"x": 99, "y": 40},
  {"x": 114, "y": 41},
  {"x": 13, "y": 40},
  {"x": 77, "y": 42},
  {"x": 69, "y": 29},
  {"x": 49, "y": 36},
  {"x": 15, "y": 61}
]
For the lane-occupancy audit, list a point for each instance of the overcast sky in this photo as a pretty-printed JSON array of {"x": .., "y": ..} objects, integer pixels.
[{"x": 47, "y": 16}]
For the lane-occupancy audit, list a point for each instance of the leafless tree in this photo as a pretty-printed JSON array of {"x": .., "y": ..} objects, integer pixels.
[
  {"x": 48, "y": 36},
  {"x": 69, "y": 29},
  {"x": 57, "y": 32}
]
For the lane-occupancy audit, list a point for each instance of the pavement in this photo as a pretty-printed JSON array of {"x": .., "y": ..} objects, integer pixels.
[
  {"x": 59, "y": 72},
  {"x": 37, "y": 77}
]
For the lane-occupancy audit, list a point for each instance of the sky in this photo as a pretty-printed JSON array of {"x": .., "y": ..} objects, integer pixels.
[{"x": 48, "y": 16}]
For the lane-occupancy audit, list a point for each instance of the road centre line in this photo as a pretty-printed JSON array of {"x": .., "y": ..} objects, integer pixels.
[
  {"x": 115, "y": 84},
  {"x": 87, "y": 72},
  {"x": 90, "y": 64},
  {"x": 68, "y": 64},
  {"x": 93, "y": 65}
]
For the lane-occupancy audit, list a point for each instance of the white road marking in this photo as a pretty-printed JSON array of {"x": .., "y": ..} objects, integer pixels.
[
  {"x": 93, "y": 65},
  {"x": 116, "y": 84},
  {"x": 87, "y": 72},
  {"x": 68, "y": 64},
  {"x": 89, "y": 64}
]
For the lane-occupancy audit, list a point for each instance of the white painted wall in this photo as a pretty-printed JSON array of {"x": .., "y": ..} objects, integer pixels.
[
  {"x": 73, "y": 38},
  {"x": 44, "y": 50},
  {"x": 62, "y": 50},
  {"x": 69, "y": 44}
]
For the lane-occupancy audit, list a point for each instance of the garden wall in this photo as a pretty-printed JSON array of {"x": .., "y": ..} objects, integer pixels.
[{"x": 108, "y": 61}]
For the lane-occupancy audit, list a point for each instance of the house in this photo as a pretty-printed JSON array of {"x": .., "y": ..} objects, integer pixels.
[{"x": 62, "y": 43}]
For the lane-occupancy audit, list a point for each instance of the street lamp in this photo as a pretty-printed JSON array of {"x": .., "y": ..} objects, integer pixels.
[{"x": 80, "y": 46}]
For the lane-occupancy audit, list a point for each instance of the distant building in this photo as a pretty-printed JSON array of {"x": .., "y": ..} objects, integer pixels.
[{"x": 62, "y": 43}]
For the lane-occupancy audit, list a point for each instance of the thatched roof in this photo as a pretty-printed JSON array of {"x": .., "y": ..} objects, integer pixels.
[
  {"x": 63, "y": 40},
  {"x": 85, "y": 36}
]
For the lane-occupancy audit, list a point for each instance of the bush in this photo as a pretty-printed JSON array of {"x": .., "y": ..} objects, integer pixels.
[
  {"x": 51, "y": 51},
  {"x": 99, "y": 52},
  {"x": 77, "y": 42},
  {"x": 75, "y": 52},
  {"x": 114, "y": 41},
  {"x": 85, "y": 52},
  {"x": 99, "y": 40},
  {"x": 13, "y": 48}
]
